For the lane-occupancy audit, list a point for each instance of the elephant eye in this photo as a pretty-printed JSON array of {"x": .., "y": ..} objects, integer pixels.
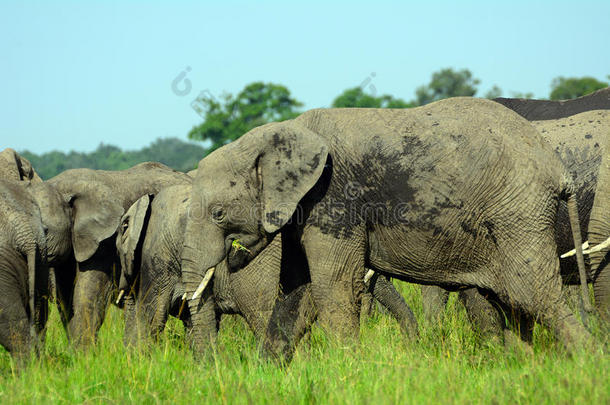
[{"x": 218, "y": 214}]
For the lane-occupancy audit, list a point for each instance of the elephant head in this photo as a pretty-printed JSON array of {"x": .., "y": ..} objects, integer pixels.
[
  {"x": 244, "y": 193},
  {"x": 129, "y": 238},
  {"x": 57, "y": 221},
  {"x": 97, "y": 200}
]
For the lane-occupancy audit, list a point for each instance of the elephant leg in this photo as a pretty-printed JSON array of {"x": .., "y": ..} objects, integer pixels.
[
  {"x": 489, "y": 316},
  {"x": 15, "y": 332},
  {"x": 532, "y": 284},
  {"x": 293, "y": 312},
  {"x": 65, "y": 279},
  {"x": 434, "y": 300},
  {"x": 601, "y": 287},
  {"x": 336, "y": 269},
  {"x": 92, "y": 294},
  {"x": 484, "y": 314},
  {"x": 383, "y": 290},
  {"x": 291, "y": 318}
]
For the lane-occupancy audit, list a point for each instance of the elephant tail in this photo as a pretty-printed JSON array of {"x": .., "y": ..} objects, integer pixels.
[{"x": 575, "y": 226}]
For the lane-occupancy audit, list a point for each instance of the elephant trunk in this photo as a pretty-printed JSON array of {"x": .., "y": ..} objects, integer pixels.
[
  {"x": 599, "y": 230},
  {"x": 580, "y": 260},
  {"x": 201, "y": 306}
]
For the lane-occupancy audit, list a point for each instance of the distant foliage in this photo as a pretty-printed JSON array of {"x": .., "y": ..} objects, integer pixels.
[
  {"x": 447, "y": 83},
  {"x": 519, "y": 94},
  {"x": 563, "y": 88},
  {"x": 356, "y": 97},
  {"x": 172, "y": 152},
  {"x": 227, "y": 119},
  {"x": 494, "y": 92}
]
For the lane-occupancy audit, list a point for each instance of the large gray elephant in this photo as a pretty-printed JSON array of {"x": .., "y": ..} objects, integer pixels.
[
  {"x": 23, "y": 270},
  {"x": 33, "y": 228},
  {"x": 97, "y": 199},
  {"x": 578, "y": 130},
  {"x": 149, "y": 243},
  {"x": 461, "y": 192},
  {"x": 34, "y": 223}
]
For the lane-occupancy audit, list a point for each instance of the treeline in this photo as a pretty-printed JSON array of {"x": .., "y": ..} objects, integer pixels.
[
  {"x": 172, "y": 152},
  {"x": 227, "y": 119},
  {"x": 229, "y": 116}
]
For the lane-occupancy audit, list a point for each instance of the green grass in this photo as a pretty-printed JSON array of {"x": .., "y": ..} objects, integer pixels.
[{"x": 450, "y": 364}]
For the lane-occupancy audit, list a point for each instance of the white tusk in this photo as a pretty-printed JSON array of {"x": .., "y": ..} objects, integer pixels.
[
  {"x": 120, "y": 297},
  {"x": 573, "y": 251},
  {"x": 599, "y": 247},
  {"x": 204, "y": 282},
  {"x": 184, "y": 297},
  {"x": 368, "y": 275}
]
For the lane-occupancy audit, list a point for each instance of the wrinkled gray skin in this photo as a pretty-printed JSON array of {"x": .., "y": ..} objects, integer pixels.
[
  {"x": 579, "y": 132},
  {"x": 33, "y": 226},
  {"x": 15, "y": 167},
  {"x": 23, "y": 270},
  {"x": 461, "y": 192},
  {"x": 97, "y": 199},
  {"x": 150, "y": 243}
]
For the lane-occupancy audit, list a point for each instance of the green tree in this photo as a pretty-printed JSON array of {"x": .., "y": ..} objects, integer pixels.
[
  {"x": 494, "y": 92},
  {"x": 173, "y": 152},
  {"x": 563, "y": 88},
  {"x": 520, "y": 94},
  {"x": 447, "y": 83},
  {"x": 227, "y": 119},
  {"x": 356, "y": 97}
]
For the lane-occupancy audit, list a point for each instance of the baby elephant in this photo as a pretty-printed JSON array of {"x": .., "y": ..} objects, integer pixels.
[{"x": 149, "y": 243}]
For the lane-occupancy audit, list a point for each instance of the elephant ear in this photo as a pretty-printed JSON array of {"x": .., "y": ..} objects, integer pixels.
[
  {"x": 96, "y": 216},
  {"x": 16, "y": 167},
  {"x": 26, "y": 171},
  {"x": 291, "y": 163},
  {"x": 130, "y": 236}
]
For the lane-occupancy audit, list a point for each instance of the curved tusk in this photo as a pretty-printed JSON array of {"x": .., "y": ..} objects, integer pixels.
[
  {"x": 573, "y": 251},
  {"x": 204, "y": 282},
  {"x": 184, "y": 297},
  {"x": 599, "y": 247},
  {"x": 368, "y": 275},
  {"x": 120, "y": 297}
]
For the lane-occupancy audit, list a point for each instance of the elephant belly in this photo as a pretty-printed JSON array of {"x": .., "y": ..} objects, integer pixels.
[{"x": 422, "y": 257}]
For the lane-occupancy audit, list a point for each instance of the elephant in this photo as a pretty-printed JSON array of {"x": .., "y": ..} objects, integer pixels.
[
  {"x": 460, "y": 192},
  {"x": 150, "y": 241},
  {"x": 540, "y": 110},
  {"x": 33, "y": 226},
  {"x": 96, "y": 200},
  {"x": 16, "y": 167},
  {"x": 581, "y": 142}
]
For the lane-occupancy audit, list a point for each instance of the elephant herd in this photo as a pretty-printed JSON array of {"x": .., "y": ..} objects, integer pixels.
[{"x": 298, "y": 221}]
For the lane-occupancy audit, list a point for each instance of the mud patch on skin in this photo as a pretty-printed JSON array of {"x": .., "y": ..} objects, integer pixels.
[{"x": 388, "y": 186}]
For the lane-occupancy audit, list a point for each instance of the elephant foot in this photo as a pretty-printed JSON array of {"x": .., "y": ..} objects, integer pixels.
[{"x": 513, "y": 343}]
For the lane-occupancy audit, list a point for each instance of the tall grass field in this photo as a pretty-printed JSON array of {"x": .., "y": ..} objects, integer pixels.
[{"x": 449, "y": 364}]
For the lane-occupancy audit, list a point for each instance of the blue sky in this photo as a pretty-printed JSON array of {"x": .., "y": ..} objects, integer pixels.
[{"x": 78, "y": 73}]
